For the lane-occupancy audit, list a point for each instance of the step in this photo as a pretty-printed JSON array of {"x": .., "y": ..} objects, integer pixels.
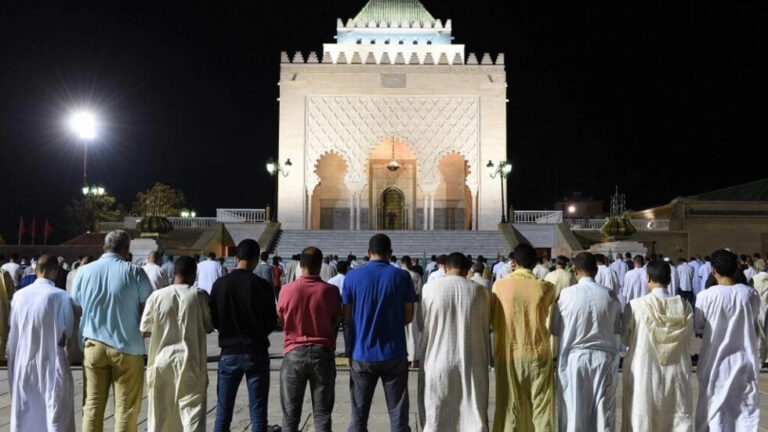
[{"x": 414, "y": 243}]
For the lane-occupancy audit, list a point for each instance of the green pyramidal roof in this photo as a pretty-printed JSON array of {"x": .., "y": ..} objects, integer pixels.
[{"x": 388, "y": 11}]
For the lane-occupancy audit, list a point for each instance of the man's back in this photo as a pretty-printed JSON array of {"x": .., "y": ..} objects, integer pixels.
[
  {"x": 156, "y": 276},
  {"x": 519, "y": 312},
  {"x": 110, "y": 291},
  {"x": 265, "y": 271},
  {"x": 14, "y": 270},
  {"x": 208, "y": 272},
  {"x": 561, "y": 279},
  {"x": 378, "y": 293},
  {"x": 243, "y": 311},
  {"x": 685, "y": 277},
  {"x": 635, "y": 284},
  {"x": 310, "y": 309},
  {"x": 728, "y": 367},
  {"x": 587, "y": 316},
  {"x": 178, "y": 317}
]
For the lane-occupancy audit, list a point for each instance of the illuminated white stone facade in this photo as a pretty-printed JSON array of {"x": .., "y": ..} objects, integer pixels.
[{"x": 387, "y": 91}]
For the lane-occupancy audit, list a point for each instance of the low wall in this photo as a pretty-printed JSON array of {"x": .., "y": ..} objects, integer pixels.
[{"x": 70, "y": 253}]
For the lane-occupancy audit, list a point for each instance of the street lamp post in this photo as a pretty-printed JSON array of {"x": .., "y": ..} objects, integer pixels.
[
  {"x": 273, "y": 168},
  {"x": 502, "y": 171},
  {"x": 83, "y": 125}
]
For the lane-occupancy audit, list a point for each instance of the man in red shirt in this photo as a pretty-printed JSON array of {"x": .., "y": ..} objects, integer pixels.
[{"x": 309, "y": 311}]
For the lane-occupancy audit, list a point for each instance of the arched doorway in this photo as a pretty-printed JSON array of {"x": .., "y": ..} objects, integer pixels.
[
  {"x": 392, "y": 215},
  {"x": 331, "y": 198}
]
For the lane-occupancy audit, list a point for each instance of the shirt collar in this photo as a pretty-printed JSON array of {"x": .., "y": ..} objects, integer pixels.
[
  {"x": 45, "y": 281},
  {"x": 523, "y": 273},
  {"x": 660, "y": 292},
  {"x": 586, "y": 279},
  {"x": 113, "y": 256},
  {"x": 311, "y": 277}
]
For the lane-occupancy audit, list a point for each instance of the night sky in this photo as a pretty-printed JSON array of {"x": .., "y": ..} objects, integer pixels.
[{"x": 662, "y": 98}]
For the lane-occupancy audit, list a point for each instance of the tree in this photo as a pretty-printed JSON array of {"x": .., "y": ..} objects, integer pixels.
[
  {"x": 82, "y": 213},
  {"x": 160, "y": 200}
]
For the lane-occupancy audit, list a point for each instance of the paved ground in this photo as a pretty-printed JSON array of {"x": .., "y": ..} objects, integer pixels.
[{"x": 379, "y": 420}]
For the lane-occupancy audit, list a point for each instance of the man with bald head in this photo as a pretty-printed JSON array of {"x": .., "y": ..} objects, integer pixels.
[
  {"x": 40, "y": 380},
  {"x": 309, "y": 310}
]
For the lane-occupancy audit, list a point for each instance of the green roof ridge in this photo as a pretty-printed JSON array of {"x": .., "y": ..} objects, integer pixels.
[{"x": 388, "y": 11}]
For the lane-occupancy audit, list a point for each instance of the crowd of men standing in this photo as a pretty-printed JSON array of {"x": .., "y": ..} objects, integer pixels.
[{"x": 557, "y": 335}]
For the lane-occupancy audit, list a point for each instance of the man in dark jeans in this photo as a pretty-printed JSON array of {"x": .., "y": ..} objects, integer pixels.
[
  {"x": 309, "y": 310},
  {"x": 243, "y": 311},
  {"x": 378, "y": 300}
]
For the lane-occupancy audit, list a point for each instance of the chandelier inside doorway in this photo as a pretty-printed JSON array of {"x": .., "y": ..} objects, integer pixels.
[{"x": 393, "y": 165}]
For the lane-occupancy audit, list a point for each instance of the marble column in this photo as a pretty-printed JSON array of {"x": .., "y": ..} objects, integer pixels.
[
  {"x": 426, "y": 212},
  {"x": 352, "y": 212}
]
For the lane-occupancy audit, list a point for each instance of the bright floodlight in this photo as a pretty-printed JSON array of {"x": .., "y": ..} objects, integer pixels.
[
  {"x": 571, "y": 209},
  {"x": 83, "y": 124}
]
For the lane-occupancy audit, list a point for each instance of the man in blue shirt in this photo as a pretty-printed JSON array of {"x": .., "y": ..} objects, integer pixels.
[
  {"x": 378, "y": 301},
  {"x": 111, "y": 293}
]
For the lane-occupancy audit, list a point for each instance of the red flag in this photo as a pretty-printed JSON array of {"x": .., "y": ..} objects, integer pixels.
[
  {"x": 32, "y": 229},
  {"x": 21, "y": 228},
  {"x": 47, "y": 230}
]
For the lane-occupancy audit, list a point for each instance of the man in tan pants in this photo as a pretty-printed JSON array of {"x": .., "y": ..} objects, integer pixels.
[
  {"x": 525, "y": 381},
  {"x": 111, "y": 292}
]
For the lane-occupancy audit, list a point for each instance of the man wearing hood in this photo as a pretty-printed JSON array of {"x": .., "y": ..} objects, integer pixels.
[{"x": 657, "y": 329}]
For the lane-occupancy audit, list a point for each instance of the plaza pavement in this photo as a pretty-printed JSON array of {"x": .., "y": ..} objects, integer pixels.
[{"x": 379, "y": 421}]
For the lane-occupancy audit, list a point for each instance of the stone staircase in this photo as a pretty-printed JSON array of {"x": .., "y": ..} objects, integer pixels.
[{"x": 413, "y": 243}]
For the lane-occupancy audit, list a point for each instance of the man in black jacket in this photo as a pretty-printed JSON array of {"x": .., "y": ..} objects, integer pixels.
[{"x": 243, "y": 311}]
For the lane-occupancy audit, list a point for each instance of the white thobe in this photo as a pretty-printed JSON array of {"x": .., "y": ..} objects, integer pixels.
[
  {"x": 674, "y": 283},
  {"x": 761, "y": 286},
  {"x": 728, "y": 368},
  {"x": 635, "y": 285},
  {"x": 587, "y": 318},
  {"x": 540, "y": 271},
  {"x": 337, "y": 281},
  {"x": 413, "y": 330},
  {"x": 703, "y": 273},
  {"x": 14, "y": 270},
  {"x": 453, "y": 379},
  {"x": 696, "y": 265},
  {"x": 168, "y": 271},
  {"x": 685, "y": 277},
  {"x": 657, "y": 393},
  {"x": 437, "y": 274},
  {"x": 480, "y": 280},
  {"x": 208, "y": 272},
  {"x": 620, "y": 268},
  {"x": 40, "y": 381},
  {"x": 156, "y": 276},
  {"x": 749, "y": 273},
  {"x": 178, "y": 318},
  {"x": 326, "y": 272},
  {"x": 607, "y": 278},
  {"x": 432, "y": 265},
  {"x": 497, "y": 269}
]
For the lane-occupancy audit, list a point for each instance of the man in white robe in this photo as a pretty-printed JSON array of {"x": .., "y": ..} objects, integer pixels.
[
  {"x": 439, "y": 273},
  {"x": 704, "y": 271},
  {"x": 413, "y": 330},
  {"x": 541, "y": 269},
  {"x": 453, "y": 380},
  {"x": 40, "y": 380},
  {"x": 177, "y": 319},
  {"x": 168, "y": 268},
  {"x": 208, "y": 272},
  {"x": 749, "y": 269},
  {"x": 685, "y": 278},
  {"x": 635, "y": 282},
  {"x": 695, "y": 264},
  {"x": 155, "y": 272},
  {"x": 620, "y": 268},
  {"x": 605, "y": 276},
  {"x": 728, "y": 318},
  {"x": 587, "y": 318},
  {"x": 657, "y": 328},
  {"x": 760, "y": 281},
  {"x": 674, "y": 284}
]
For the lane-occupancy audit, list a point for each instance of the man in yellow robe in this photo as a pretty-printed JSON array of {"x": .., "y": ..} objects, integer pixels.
[{"x": 525, "y": 382}]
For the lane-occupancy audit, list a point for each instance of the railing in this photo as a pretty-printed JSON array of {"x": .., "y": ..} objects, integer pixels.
[
  {"x": 538, "y": 217},
  {"x": 639, "y": 224},
  {"x": 110, "y": 226},
  {"x": 241, "y": 215},
  {"x": 180, "y": 223}
]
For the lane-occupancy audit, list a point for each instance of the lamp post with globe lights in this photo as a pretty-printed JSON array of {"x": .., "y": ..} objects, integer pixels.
[
  {"x": 84, "y": 125},
  {"x": 502, "y": 171},
  {"x": 273, "y": 168}
]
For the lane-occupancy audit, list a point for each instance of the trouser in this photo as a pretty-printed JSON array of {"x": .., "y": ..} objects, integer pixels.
[
  {"x": 105, "y": 367},
  {"x": 314, "y": 364},
  {"x": 232, "y": 367},
  {"x": 525, "y": 394},
  {"x": 587, "y": 382},
  {"x": 688, "y": 296},
  {"x": 362, "y": 383}
]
